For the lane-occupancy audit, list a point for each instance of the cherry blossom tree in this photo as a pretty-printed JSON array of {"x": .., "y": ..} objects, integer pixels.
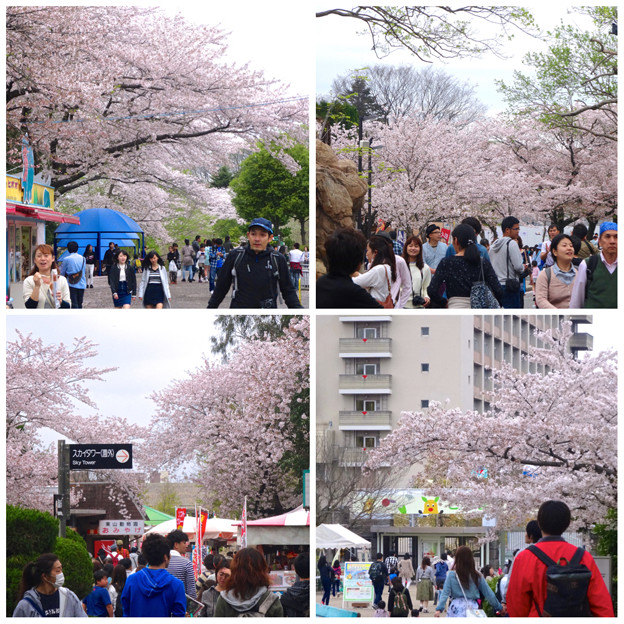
[
  {"x": 47, "y": 387},
  {"x": 242, "y": 422},
  {"x": 548, "y": 435},
  {"x": 125, "y": 102}
]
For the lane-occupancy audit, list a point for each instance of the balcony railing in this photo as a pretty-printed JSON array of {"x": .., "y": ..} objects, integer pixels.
[
  {"x": 371, "y": 384},
  {"x": 374, "y": 421},
  {"x": 349, "y": 456},
  {"x": 365, "y": 347}
]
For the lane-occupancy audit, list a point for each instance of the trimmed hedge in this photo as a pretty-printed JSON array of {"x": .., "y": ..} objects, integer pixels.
[
  {"x": 14, "y": 565},
  {"x": 30, "y": 531},
  {"x": 77, "y": 565}
]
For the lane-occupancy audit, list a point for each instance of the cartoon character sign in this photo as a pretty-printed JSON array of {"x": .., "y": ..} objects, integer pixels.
[{"x": 430, "y": 505}]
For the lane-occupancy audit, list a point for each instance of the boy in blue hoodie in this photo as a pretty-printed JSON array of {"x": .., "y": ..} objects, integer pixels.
[{"x": 152, "y": 591}]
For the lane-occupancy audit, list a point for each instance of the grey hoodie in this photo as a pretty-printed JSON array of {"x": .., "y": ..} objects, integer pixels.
[
  {"x": 240, "y": 604},
  {"x": 70, "y": 604},
  {"x": 498, "y": 258}
]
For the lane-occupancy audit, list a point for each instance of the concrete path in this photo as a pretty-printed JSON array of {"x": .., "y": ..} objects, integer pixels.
[{"x": 184, "y": 295}]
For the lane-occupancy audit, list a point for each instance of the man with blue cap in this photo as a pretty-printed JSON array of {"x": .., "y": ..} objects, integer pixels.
[
  {"x": 256, "y": 272},
  {"x": 595, "y": 285}
]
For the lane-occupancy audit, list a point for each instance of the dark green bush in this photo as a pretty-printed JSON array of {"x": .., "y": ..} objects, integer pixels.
[
  {"x": 486, "y": 605},
  {"x": 74, "y": 536},
  {"x": 15, "y": 565},
  {"x": 77, "y": 565},
  {"x": 29, "y": 531}
]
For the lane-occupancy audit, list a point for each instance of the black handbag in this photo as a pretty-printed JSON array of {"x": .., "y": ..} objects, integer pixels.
[{"x": 512, "y": 284}]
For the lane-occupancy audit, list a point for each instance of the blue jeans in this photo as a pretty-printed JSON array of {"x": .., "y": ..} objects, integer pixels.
[
  {"x": 378, "y": 586},
  {"x": 326, "y": 590},
  {"x": 295, "y": 276},
  {"x": 213, "y": 277},
  {"x": 187, "y": 269}
]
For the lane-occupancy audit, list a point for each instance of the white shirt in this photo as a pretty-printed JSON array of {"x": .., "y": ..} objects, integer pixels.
[
  {"x": 402, "y": 288},
  {"x": 577, "y": 299},
  {"x": 375, "y": 281},
  {"x": 295, "y": 255}
]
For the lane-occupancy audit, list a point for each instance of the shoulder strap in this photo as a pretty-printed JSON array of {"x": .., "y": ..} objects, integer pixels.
[
  {"x": 578, "y": 555},
  {"x": 35, "y": 606},
  {"x": 267, "y": 603},
  {"x": 592, "y": 263},
  {"x": 541, "y": 555}
]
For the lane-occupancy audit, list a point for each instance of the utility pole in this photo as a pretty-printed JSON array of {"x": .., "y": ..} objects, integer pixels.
[{"x": 63, "y": 487}]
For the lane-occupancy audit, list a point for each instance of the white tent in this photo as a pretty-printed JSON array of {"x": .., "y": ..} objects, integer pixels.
[
  {"x": 337, "y": 536},
  {"x": 215, "y": 527}
]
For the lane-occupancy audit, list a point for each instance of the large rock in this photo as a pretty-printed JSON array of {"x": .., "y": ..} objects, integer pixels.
[{"x": 340, "y": 193}]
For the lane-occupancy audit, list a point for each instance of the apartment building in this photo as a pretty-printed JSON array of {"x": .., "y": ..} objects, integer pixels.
[{"x": 371, "y": 368}]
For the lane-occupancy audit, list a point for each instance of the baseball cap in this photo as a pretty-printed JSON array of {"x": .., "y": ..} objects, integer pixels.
[{"x": 263, "y": 223}]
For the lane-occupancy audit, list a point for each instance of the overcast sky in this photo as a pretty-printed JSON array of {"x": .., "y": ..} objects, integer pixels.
[
  {"x": 274, "y": 37},
  {"x": 340, "y": 49},
  {"x": 149, "y": 350}
]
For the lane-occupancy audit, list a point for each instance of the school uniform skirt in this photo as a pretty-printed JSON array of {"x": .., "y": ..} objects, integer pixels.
[
  {"x": 154, "y": 294},
  {"x": 123, "y": 296}
]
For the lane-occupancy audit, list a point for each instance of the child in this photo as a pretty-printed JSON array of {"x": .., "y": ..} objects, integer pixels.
[
  {"x": 336, "y": 581},
  {"x": 534, "y": 273},
  {"x": 381, "y": 610}
]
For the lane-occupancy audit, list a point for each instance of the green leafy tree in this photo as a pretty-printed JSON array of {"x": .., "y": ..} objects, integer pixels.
[
  {"x": 574, "y": 83},
  {"x": 608, "y": 546},
  {"x": 233, "y": 330},
  {"x": 336, "y": 112},
  {"x": 222, "y": 178},
  {"x": 266, "y": 188},
  {"x": 168, "y": 500}
]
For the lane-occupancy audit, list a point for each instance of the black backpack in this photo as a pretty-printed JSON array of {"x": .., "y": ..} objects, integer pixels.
[
  {"x": 375, "y": 571},
  {"x": 592, "y": 265},
  {"x": 566, "y": 585}
]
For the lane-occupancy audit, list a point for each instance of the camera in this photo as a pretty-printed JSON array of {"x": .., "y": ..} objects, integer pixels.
[
  {"x": 268, "y": 303},
  {"x": 418, "y": 301}
]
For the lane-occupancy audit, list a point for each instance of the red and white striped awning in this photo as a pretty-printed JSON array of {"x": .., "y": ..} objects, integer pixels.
[
  {"x": 37, "y": 212},
  {"x": 296, "y": 517}
]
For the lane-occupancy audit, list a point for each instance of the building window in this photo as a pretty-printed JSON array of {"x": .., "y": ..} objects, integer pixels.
[
  {"x": 362, "y": 331},
  {"x": 424, "y": 331},
  {"x": 366, "y": 441},
  {"x": 365, "y": 405},
  {"x": 366, "y": 368},
  {"x": 424, "y": 403},
  {"x": 424, "y": 367}
]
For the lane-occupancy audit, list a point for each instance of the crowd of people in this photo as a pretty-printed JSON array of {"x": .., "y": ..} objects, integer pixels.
[
  {"x": 159, "y": 581},
  {"x": 550, "y": 578},
  {"x": 566, "y": 271},
  {"x": 257, "y": 272}
]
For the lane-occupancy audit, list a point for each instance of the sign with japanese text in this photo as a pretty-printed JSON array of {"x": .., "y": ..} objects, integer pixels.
[
  {"x": 357, "y": 586},
  {"x": 180, "y": 515},
  {"x": 100, "y": 456},
  {"x": 121, "y": 527}
]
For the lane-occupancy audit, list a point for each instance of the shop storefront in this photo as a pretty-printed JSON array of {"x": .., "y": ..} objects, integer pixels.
[{"x": 26, "y": 223}]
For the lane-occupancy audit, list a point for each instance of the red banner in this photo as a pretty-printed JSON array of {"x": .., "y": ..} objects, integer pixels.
[
  {"x": 204, "y": 519},
  {"x": 180, "y": 515},
  {"x": 445, "y": 235},
  {"x": 243, "y": 539}
]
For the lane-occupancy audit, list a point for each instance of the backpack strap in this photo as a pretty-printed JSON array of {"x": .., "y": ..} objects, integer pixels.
[
  {"x": 578, "y": 555},
  {"x": 541, "y": 555},
  {"x": 267, "y": 603},
  {"x": 35, "y": 606},
  {"x": 237, "y": 260},
  {"x": 592, "y": 263}
]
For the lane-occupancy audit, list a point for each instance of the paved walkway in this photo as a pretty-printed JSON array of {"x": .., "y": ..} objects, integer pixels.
[
  {"x": 369, "y": 611},
  {"x": 183, "y": 295}
]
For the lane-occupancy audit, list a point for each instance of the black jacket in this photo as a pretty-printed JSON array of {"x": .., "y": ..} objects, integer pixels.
[
  {"x": 256, "y": 282},
  {"x": 296, "y": 600},
  {"x": 113, "y": 278},
  {"x": 340, "y": 291}
]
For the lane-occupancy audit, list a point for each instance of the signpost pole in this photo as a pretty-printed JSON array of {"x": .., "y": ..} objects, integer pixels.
[{"x": 63, "y": 486}]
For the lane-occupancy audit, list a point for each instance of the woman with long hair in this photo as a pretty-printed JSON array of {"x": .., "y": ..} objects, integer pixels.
[
  {"x": 553, "y": 287},
  {"x": 43, "y": 280},
  {"x": 406, "y": 570},
  {"x": 211, "y": 594},
  {"x": 381, "y": 268},
  {"x": 247, "y": 589},
  {"x": 460, "y": 272},
  {"x": 118, "y": 580},
  {"x": 425, "y": 581},
  {"x": 464, "y": 586},
  {"x": 420, "y": 272},
  {"x": 154, "y": 286},
  {"x": 90, "y": 260},
  {"x": 41, "y": 592},
  {"x": 122, "y": 280}
]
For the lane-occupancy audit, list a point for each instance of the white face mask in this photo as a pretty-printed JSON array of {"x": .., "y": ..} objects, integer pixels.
[{"x": 60, "y": 579}]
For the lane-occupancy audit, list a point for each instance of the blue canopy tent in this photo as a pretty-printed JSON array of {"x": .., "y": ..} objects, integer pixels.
[{"x": 99, "y": 227}]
